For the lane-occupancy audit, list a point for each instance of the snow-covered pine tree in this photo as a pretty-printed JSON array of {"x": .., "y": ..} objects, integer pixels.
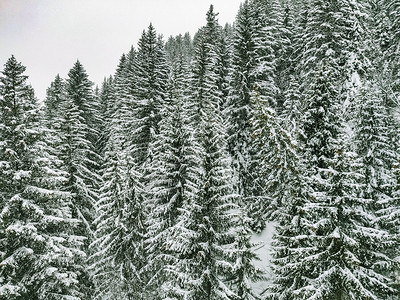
[
  {"x": 393, "y": 9},
  {"x": 204, "y": 238},
  {"x": 224, "y": 63},
  {"x": 240, "y": 108},
  {"x": 54, "y": 95},
  {"x": 119, "y": 250},
  {"x": 337, "y": 222},
  {"x": 384, "y": 41},
  {"x": 52, "y": 111},
  {"x": 76, "y": 150},
  {"x": 119, "y": 257},
  {"x": 172, "y": 174},
  {"x": 149, "y": 74},
  {"x": 79, "y": 90},
  {"x": 72, "y": 146},
  {"x": 378, "y": 158},
  {"x": 289, "y": 192},
  {"x": 284, "y": 50},
  {"x": 293, "y": 106},
  {"x": 173, "y": 188},
  {"x": 205, "y": 68},
  {"x": 39, "y": 254},
  {"x": 338, "y": 264},
  {"x": 288, "y": 79},
  {"x": 254, "y": 67},
  {"x": 110, "y": 227}
]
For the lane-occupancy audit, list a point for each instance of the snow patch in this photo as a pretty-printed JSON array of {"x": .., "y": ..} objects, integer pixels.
[{"x": 264, "y": 239}]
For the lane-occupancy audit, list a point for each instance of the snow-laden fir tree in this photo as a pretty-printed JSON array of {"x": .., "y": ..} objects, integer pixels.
[
  {"x": 288, "y": 192},
  {"x": 378, "y": 160},
  {"x": 173, "y": 188},
  {"x": 204, "y": 238},
  {"x": 240, "y": 108},
  {"x": 76, "y": 150},
  {"x": 254, "y": 67},
  {"x": 284, "y": 14},
  {"x": 335, "y": 261},
  {"x": 206, "y": 68},
  {"x": 54, "y": 97},
  {"x": 172, "y": 177},
  {"x": 119, "y": 249},
  {"x": 332, "y": 263},
  {"x": 119, "y": 257},
  {"x": 288, "y": 79},
  {"x": 79, "y": 90},
  {"x": 149, "y": 75},
  {"x": 339, "y": 266},
  {"x": 40, "y": 255},
  {"x": 393, "y": 9},
  {"x": 74, "y": 129}
]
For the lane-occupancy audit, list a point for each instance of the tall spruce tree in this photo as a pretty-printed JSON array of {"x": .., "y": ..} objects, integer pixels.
[
  {"x": 336, "y": 219},
  {"x": 203, "y": 239},
  {"x": 77, "y": 149},
  {"x": 150, "y": 75},
  {"x": 378, "y": 159},
  {"x": 240, "y": 108},
  {"x": 74, "y": 124},
  {"x": 172, "y": 180},
  {"x": 119, "y": 249},
  {"x": 39, "y": 253},
  {"x": 254, "y": 70}
]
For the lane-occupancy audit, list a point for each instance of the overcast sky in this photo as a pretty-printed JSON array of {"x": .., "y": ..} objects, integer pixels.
[{"x": 48, "y": 36}]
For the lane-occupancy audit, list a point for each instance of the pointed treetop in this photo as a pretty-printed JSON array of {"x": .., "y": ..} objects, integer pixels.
[
  {"x": 211, "y": 15},
  {"x": 12, "y": 68},
  {"x": 151, "y": 27}
]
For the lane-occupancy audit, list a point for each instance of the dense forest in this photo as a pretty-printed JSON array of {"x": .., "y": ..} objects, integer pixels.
[{"x": 152, "y": 185}]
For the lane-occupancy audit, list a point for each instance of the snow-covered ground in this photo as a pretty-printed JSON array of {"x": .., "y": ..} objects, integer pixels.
[{"x": 264, "y": 239}]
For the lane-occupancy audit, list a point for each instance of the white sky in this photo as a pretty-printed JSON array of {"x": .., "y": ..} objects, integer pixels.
[{"x": 48, "y": 36}]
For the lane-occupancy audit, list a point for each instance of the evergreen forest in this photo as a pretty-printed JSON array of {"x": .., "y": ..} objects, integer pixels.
[{"x": 154, "y": 184}]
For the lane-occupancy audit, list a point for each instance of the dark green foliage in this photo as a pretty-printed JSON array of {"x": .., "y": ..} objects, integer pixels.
[
  {"x": 150, "y": 75},
  {"x": 39, "y": 257}
]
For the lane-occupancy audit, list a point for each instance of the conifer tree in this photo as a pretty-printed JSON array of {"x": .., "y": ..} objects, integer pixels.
[
  {"x": 173, "y": 187},
  {"x": 333, "y": 262},
  {"x": 79, "y": 90},
  {"x": 378, "y": 159},
  {"x": 240, "y": 108},
  {"x": 54, "y": 98},
  {"x": 393, "y": 7},
  {"x": 339, "y": 234},
  {"x": 119, "y": 249},
  {"x": 244, "y": 271},
  {"x": 39, "y": 253},
  {"x": 77, "y": 150},
  {"x": 338, "y": 221},
  {"x": 254, "y": 68},
  {"x": 172, "y": 179},
  {"x": 205, "y": 237},
  {"x": 205, "y": 69},
  {"x": 150, "y": 82},
  {"x": 73, "y": 146}
]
